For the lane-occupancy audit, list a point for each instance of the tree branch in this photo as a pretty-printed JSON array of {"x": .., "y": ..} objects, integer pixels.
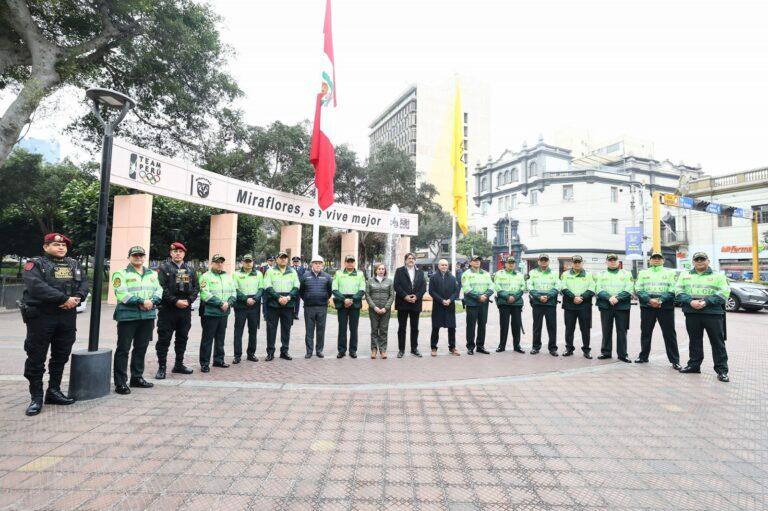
[
  {"x": 108, "y": 33},
  {"x": 22, "y": 22}
]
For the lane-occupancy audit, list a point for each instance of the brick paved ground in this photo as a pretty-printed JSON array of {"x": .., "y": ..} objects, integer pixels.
[{"x": 506, "y": 431}]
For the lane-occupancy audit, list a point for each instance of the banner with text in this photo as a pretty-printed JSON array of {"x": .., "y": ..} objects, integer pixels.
[{"x": 137, "y": 168}]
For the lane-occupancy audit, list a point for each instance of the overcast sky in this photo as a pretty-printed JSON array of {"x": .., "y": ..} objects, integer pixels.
[{"x": 689, "y": 75}]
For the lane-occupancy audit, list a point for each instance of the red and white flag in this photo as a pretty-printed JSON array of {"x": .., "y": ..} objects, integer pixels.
[{"x": 322, "y": 154}]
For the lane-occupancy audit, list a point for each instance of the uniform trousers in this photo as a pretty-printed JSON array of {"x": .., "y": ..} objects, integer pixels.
[
  {"x": 609, "y": 317},
  {"x": 214, "y": 334},
  {"x": 347, "y": 318},
  {"x": 139, "y": 333},
  {"x": 172, "y": 320},
  {"x": 54, "y": 330},
  {"x": 540, "y": 314},
  {"x": 477, "y": 317},
  {"x": 697, "y": 324},
  {"x": 583, "y": 318},
  {"x": 251, "y": 318},
  {"x": 284, "y": 317},
  {"x": 666, "y": 319},
  {"x": 510, "y": 317}
]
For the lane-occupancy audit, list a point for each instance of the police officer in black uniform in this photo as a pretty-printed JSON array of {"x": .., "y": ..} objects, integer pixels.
[
  {"x": 54, "y": 287},
  {"x": 180, "y": 290}
]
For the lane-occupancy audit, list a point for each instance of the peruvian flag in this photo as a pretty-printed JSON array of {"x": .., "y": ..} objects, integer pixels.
[{"x": 322, "y": 154}]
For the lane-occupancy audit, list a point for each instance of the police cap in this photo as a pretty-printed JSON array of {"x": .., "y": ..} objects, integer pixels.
[
  {"x": 218, "y": 258},
  {"x": 610, "y": 257},
  {"x": 577, "y": 259},
  {"x": 700, "y": 255},
  {"x": 137, "y": 250}
]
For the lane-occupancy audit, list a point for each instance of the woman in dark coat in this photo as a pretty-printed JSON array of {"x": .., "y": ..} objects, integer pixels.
[{"x": 444, "y": 290}]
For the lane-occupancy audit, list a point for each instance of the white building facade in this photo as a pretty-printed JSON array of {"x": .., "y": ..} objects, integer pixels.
[
  {"x": 727, "y": 239},
  {"x": 561, "y": 210}
]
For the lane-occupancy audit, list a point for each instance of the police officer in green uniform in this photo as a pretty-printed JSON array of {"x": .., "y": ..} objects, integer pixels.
[
  {"x": 281, "y": 287},
  {"x": 543, "y": 290},
  {"x": 54, "y": 286},
  {"x": 249, "y": 284},
  {"x": 577, "y": 288},
  {"x": 217, "y": 296},
  {"x": 614, "y": 299},
  {"x": 655, "y": 290},
  {"x": 703, "y": 294},
  {"x": 348, "y": 289},
  {"x": 477, "y": 286},
  {"x": 139, "y": 293},
  {"x": 509, "y": 285},
  {"x": 180, "y": 290}
]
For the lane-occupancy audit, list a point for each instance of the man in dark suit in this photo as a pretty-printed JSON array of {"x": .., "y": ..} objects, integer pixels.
[
  {"x": 410, "y": 287},
  {"x": 444, "y": 290}
]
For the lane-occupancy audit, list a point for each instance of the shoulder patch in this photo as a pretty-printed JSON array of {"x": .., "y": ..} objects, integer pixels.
[
  {"x": 117, "y": 282},
  {"x": 29, "y": 265},
  {"x": 203, "y": 283}
]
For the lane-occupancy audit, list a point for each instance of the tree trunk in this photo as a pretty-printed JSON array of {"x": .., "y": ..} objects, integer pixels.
[{"x": 39, "y": 85}]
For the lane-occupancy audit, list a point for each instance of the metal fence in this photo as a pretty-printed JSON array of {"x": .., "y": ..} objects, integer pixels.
[{"x": 11, "y": 289}]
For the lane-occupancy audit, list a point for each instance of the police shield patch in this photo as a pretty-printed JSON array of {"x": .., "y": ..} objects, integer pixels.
[{"x": 117, "y": 282}]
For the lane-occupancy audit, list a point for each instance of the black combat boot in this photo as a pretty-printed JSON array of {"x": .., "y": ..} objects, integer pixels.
[
  {"x": 54, "y": 396},
  {"x": 160, "y": 374},
  {"x": 36, "y": 391}
]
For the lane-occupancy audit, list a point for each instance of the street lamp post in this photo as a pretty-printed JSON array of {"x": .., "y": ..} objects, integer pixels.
[{"x": 90, "y": 370}]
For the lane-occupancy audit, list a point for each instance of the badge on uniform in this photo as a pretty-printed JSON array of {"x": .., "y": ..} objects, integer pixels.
[
  {"x": 116, "y": 283},
  {"x": 203, "y": 284}
]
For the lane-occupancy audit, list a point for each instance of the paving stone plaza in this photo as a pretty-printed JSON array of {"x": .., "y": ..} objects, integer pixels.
[{"x": 504, "y": 431}]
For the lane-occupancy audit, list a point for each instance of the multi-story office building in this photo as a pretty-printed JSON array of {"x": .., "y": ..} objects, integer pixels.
[
  {"x": 419, "y": 122},
  {"x": 727, "y": 239},
  {"x": 561, "y": 209}
]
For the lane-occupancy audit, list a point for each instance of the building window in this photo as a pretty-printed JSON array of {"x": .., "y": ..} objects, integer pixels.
[
  {"x": 724, "y": 220},
  {"x": 484, "y": 206},
  {"x": 501, "y": 204},
  {"x": 534, "y": 227},
  {"x": 762, "y": 213},
  {"x": 568, "y": 192},
  {"x": 513, "y": 178},
  {"x": 532, "y": 170},
  {"x": 513, "y": 201},
  {"x": 500, "y": 180},
  {"x": 484, "y": 184},
  {"x": 614, "y": 194},
  {"x": 614, "y": 226},
  {"x": 534, "y": 197},
  {"x": 466, "y": 131},
  {"x": 507, "y": 177},
  {"x": 568, "y": 225},
  {"x": 466, "y": 117}
]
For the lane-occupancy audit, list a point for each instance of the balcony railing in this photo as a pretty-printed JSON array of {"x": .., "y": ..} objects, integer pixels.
[{"x": 742, "y": 179}]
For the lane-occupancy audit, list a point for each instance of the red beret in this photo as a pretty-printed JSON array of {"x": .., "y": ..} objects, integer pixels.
[
  {"x": 178, "y": 244},
  {"x": 55, "y": 236}
]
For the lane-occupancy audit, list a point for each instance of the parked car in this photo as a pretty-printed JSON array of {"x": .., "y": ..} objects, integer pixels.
[{"x": 747, "y": 295}]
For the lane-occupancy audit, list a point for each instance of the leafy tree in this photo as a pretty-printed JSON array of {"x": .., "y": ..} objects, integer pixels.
[
  {"x": 474, "y": 243},
  {"x": 434, "y": 230},
  {"x": 166, "y": 54},
  {"x": 18, "y": 234},
  {"x": 350, "y": 182},
  {"x": 392, "y": 179},
  {"x": 276, "y": 157},
  {"x": 34, "y": 187}
]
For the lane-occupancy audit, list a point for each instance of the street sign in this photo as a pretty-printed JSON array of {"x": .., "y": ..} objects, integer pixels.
[
  {"x": 670, "y": 199},
  {"x": 685, "y": 202},
  {"x": 633, "y": 242},
  {"x": 714, "y": 208}
]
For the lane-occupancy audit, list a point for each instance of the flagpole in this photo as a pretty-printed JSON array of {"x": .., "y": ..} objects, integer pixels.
[
  {"x": 453, "y": 244},
  {"x": 316, "y": 226}
]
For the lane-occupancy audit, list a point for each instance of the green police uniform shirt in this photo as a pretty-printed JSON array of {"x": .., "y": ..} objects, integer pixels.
[
  {"x": 474, "y": 284},
  {"x": 543, "y": 283},
  {"x": 248, "y": 285},
  {"x": 132, "y": 289},
  {"x": 616, "y": 283},
  {"x": 509, "y": 283},
  {"x": 656, "y": 282},
  {"x": 348, "y": 284},
  {"x": 573, "y": 284},
  {"x": 215, "y": 289},
  {"x": 709, "y": 286},
  {"x": 279, "y": 283}
]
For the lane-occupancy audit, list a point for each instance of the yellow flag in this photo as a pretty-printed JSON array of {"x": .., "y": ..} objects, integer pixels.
[{"x": 459, "y": 165}]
